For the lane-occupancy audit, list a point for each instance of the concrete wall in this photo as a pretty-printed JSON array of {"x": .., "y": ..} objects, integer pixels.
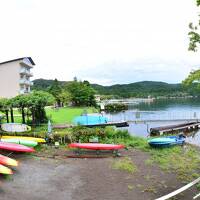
[{"x": 9, "y": 79}]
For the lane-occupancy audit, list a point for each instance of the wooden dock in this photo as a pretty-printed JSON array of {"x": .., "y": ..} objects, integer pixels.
[
  {"x": 117, "y": 124},
  {"x": 185, "y": 127},
  {"x": 144, "y": 121}
]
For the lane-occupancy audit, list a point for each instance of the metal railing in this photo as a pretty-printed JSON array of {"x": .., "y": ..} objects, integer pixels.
[{"x": 138, "y": 116}]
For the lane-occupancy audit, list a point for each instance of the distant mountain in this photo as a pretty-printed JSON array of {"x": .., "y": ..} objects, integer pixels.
[
  {"x": 141, "y": 89},
  {"x": 137, "y": 89}
]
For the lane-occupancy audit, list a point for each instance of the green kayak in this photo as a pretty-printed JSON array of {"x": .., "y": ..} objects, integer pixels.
[{"x": 27, "y": 143}]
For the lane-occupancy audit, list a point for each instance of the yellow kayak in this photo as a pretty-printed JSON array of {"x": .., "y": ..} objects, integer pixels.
[
  {"x": 35, "y": 139},
  {"x": 5, "y": 170}
]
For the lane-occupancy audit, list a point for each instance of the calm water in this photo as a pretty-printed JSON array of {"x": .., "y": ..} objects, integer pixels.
[{"x": 165, "y": 109}]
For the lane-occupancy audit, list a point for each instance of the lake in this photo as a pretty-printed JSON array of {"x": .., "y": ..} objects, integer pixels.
[{"x": 161, "y": 112}]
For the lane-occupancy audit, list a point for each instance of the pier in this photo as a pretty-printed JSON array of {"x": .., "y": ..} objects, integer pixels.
[
  {"x": 185, "y": 127},
  {"x": 117, "y": 124}
]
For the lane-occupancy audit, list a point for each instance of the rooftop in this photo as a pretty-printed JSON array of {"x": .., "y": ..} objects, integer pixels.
[{"x": 29, "y": 58}]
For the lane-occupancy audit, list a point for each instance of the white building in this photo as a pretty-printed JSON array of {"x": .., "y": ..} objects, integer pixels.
[{"x": 15, "y": 77}]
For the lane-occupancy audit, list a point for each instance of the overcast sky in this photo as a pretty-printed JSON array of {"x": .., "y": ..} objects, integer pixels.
[{"x": 103, "y": 41}]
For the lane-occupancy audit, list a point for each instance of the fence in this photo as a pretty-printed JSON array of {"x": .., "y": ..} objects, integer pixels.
[{"x": 137, "y": 116}]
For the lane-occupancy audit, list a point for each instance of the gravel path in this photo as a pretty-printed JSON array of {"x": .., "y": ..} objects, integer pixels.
[{"x": 62, "y": 178}]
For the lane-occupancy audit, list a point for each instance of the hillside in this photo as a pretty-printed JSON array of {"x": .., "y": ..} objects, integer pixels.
[
  {"x": 137, "y": 89},
  {"x": 141, "y": 89}
]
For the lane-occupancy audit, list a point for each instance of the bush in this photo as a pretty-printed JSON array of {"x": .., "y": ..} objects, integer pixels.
[
  {"x": 108, "y": 134},
  {"x": 116, "y": 107}
]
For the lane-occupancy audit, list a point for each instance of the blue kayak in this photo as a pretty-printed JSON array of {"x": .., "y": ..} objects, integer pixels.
[{"x": 167, "y": 141}]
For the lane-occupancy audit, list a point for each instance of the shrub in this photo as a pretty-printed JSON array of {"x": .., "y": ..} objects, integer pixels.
[
  {"x": 116, "y": 107},
  {"x": 108, "y": 134}
]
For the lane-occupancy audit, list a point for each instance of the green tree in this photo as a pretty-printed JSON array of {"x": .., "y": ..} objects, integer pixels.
[
  {"x": 65, "y": 97},
  {"x": 192, "y": 81},
  {"x": 194, "y": 33},
  {"x": 56, "y": 89},
  {"x": 193, "y": 78},
  {"x": 82, "y": 94},
  {"x": 4, "y": 107},
  {"x": 21, "y": 102},
  {"x": 12, "y": 105},
  {"x": 36, "y": 103}
]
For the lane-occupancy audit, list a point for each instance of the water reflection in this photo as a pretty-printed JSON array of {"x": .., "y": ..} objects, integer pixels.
[{"x": 163, "y": 109}]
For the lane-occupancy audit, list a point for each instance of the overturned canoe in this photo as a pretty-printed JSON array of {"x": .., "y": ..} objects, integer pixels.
[
  {"x": 39, "y": 140},
  {"x": 15, "y": 147},
  {"x": 167, "y": 141},
  {"x": 27, "y": 143},
  {"x": 4, "y": 160},
  {"x": 15, "y": 127}
]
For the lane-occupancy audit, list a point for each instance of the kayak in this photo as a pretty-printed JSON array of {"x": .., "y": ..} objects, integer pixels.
[
  {"x": 15, "y": 127},
  {"x": 167, "y": 141},
  {"x": 96, "y": 146},
  {"x": 5, "y": 170},
  {"x": 15, "y": 147},
  {"x": 39, "y": 140},
  {"x": 27, "y": 143},
  {"x": 4, "y": 160}
]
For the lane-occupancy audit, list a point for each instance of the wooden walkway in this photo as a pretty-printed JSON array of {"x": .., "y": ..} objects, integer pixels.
[
  {"x": 161, "y": 120},
  {"x": 117, "y": 124},
  {"x": 175, "y": 128}
]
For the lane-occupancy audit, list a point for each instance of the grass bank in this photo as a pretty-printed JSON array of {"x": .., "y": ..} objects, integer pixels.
[
  {"x": 60, "y": 115},
  {"x": 182, "y": 160},
  {"x": 67, "y": 114}
]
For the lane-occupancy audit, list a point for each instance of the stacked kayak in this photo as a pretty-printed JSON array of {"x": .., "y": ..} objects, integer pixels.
[
  {"x": 4, "y": 160},
  {"x": 167, "y": 141},
  {"x": 35, "y": 139},
  {"x": 15, "y": 147},
  {"x": 11, "y": 146},
  {"x": 5, "y": 170},
  {"x": 15, "y": 144},
  {"x": 27, "y": 143}
]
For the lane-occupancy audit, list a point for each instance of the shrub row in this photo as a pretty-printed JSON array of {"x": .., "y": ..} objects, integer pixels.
[{"x": 116, "y": 107}]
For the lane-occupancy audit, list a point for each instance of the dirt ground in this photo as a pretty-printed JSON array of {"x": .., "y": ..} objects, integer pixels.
[{"x": 56, "y": 177}]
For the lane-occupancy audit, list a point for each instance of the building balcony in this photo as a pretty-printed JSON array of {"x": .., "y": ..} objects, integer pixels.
[
  {"x": 21, "y": 92},
  {"x": 26, "y": 72},
  {"x": 25, "y": 82},
  {"x": 24, "y": 91}
]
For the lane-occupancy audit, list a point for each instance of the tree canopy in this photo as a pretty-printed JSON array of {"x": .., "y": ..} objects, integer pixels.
[
  {"x": 82, "y": 94},
  {"x": 33, "y": 104},
  {"x": 194, "y": 33},
  {"x": 56, "y": 89}
]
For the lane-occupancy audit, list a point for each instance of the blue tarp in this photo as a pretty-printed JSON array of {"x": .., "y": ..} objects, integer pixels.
[{"x": 90, "y": 120}]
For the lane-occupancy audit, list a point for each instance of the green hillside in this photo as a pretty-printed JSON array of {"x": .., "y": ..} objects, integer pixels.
[{"x": 137, "y": 89}]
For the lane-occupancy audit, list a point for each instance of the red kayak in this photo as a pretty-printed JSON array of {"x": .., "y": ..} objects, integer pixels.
[
  {"x": 96, "y": 146},
  {"x": 15, "y": 147},
  {"x": 4, "y": 160}
]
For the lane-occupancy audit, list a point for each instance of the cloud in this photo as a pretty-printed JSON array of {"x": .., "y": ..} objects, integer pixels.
[
  {"x": 107, "y": 41},
  {"x": 140, "y": 70}
]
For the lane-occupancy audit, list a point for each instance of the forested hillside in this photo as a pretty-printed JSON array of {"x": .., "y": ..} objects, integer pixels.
[{"x": 138, "y": 89}]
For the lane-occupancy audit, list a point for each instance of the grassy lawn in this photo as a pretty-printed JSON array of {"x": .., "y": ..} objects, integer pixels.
[
  {"x": 67, "y": 114},
  {"x": 61, "y": 115}
]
